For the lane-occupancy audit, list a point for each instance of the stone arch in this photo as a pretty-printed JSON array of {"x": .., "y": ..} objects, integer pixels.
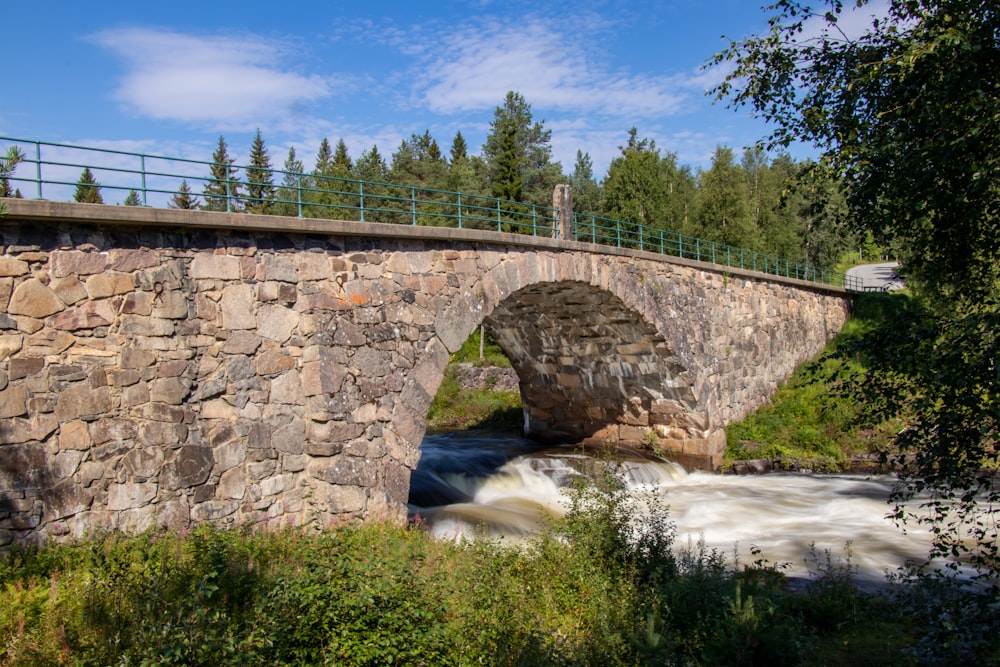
[{"x": 590, "y": 367}]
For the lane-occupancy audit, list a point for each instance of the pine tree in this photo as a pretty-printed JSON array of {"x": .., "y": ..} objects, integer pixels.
[
  {"x": 7, "y": 165},
  {"x": 260, "y": 178},
  {"x": 324, "y": 159},
  {"x": 132, "y": 199},
  {"x": 222, "y": 190},
  {"x": 418, "y": 161},
  {"x": 88, "y": 190},
  {"x": 342, "y": 164},
  {"x": 183, "y": 198}
]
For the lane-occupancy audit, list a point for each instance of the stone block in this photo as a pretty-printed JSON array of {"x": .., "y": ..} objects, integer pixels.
[
  {"x": 76, "y": 263},
  {"x": 237, "y": 307},
  {"x": 172, "y": 305},
  {"x": 89, "y": 315},
  {"x": 128, "y": 260},
  {"x": 270, "y": 363},
  {"x": 9, "y": 344},
  {"x": 22, "y": 367},
  {"x": 143, "y": 462},
  {"x": 322, "y": 377},
  {"x": 105, "y": 285},
  {"x": 276, "y": 322},
  {"x": 169, "y": 390},
  {"x": 65, "y": 499},
  {"x": 74, "y": 435},
  {"x": 344, "y": 471},
  {"x": 287, "y": 389},
  {"x": 130, "y": 495},
  {"x": 12, "y": 267},
  {"x": 206, "y": 266},
  {"x": 213, "y": 510},
  {"x": 34, "y": 299},
  {"x": 191, "y": 465},
  {"x": 69, "y": 290},
  {"x": 232, "y": 484},
  {"x": 13, "y": 401},
  {"x": 229, "y": 455},
  {"x": 80, "y": 400}
]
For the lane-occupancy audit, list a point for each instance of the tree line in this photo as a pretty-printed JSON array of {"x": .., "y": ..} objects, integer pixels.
[{"x": 774, "y": 205}]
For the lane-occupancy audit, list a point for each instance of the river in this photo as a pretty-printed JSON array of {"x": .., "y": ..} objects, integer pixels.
[{"x": 505, "y": 485}]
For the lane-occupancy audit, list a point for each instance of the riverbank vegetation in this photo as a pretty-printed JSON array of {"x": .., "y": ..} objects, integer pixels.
[
  {"x": 590, "y": 591},
  {"x": 813, "y": 422}
]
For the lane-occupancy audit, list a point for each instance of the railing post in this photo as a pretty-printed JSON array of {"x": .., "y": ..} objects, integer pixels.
[
  {"x": 229, "y": 193},
  {"x": 459, "y": 210},
  {"x": 413, "y": 205},
  {"x": 142, "y": 167},
  {"x": 298, "y": 192},
  {"x": 361, "y": 199},
  {"x": 498, "y": 216},
  {"x": 562, "y": 201},
  {"x": 38, "y": 168}
]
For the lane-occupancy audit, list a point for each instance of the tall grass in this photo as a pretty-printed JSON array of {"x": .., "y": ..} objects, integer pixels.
[{"x": 599, "y": 588}]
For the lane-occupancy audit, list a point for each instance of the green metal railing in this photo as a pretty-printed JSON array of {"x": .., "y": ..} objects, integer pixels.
[
  {"x": 52, "y": 170},
  {"x": 595, "y": 229}
]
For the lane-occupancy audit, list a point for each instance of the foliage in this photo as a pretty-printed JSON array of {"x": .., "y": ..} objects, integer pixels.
[
  {"x": 940, "y": 370},
  {"x": 8, "y": 163},
  {"x": 597, "y": 589},
  {"x": 518, "y": 154},
  {"x": 222, "y": 190},
  {"x": 260, "y": 178},
  {"x": 810, "y": 422},
  {"x": 183, "y": 199},
  {"x": 88, "y": 190},
  {"x": 455, "y": 406},
  {"x": 905, "y": 113},
  {"x": 132, "y": 199}
]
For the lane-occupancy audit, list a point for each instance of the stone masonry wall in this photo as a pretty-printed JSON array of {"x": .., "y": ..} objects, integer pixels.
[{"x": 157, "y": 376}]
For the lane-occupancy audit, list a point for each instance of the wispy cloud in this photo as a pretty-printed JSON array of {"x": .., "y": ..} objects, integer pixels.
[
  {"x": 473, "y": 67},
  {"x": 224, "y": 81}
]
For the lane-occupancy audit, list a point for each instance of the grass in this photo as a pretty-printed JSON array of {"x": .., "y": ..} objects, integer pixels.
[
  {"x": 809, "y": 423},
  {"x": 591, "y": 591},
  {"x": 456, "y": 407}
]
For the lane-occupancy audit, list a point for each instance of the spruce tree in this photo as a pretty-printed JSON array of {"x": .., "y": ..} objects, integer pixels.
[
  {"x": 132, "y": 199},
  {"x": 183, "y": 199},
  {"x": 342, "y": 164},
  {"x": 88, "y": 190},
  {"x": 723, "y": 205},
  {"x": 222, "y": 190},
  {"x": 586, "y": 191},
  {"x": 260, "y": 178},
  {"x": 518, "y": 154},
  {"x": 292, "y": 182},
  {"x": 459, "y": 149}
]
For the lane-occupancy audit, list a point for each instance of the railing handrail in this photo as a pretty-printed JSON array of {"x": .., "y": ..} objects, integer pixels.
[{"x": 399, "y": 202}]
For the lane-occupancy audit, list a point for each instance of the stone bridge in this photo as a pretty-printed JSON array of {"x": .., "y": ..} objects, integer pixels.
[{"x": 159, "y": 367}]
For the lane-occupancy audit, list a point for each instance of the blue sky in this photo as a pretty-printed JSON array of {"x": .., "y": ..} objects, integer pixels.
[{"x": 169, "y": 77}]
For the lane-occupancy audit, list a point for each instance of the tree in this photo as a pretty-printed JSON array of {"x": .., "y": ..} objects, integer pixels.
[
  {"x": 88, "y": 190},
  {"x": 905, "y": 114},
  {"x": 290, "y": 192},
  {"x": 260, "y": 178},
  {"x": 586, "y": 191},
  {"x": 518, "y": 154},
  {"x": 183, "y": 199},
  {"x": 635, "y": 189},
  {"x": 8, "y": 163},
  {"x": 723, "y": 203},
  {"x": 132, "y": 199},
  {"x": 418, "y": 161},
  {"x": 372, "y": 168},
  {"x": 222, "y": 190}
]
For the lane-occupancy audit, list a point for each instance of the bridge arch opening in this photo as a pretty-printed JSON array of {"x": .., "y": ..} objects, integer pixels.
[{"x": 591, "y": 369}]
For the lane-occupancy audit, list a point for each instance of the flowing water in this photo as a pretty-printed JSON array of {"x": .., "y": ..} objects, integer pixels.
[{"x": 503, "y": 485}]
